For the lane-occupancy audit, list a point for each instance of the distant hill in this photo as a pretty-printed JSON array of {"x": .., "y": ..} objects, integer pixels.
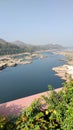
[
  {"x": 19, "y": 47},
  {"x": 20, "y": 43},
  {"x": 37, "y": 47},
  {"x": 2, "y": 41},
  {"x": 9, "y": 48}
]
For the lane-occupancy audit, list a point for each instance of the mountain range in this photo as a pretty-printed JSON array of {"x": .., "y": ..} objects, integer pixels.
[{"x": 20, "y": 47}]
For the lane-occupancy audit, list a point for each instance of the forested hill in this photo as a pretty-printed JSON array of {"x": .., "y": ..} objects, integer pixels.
[
  {"x": 20, "y": 47},
  {"x": 9, "y": 48}
]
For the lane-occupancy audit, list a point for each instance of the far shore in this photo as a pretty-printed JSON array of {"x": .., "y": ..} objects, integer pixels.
[{"x": 11, "y": 61}]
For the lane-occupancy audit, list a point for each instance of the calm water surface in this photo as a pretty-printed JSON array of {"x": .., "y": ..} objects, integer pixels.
[{"x": 24, "y": 80}]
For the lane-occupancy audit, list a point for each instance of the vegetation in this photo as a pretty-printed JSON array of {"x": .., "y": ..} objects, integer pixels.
[
  {"x": 57, "y": 115},
  {"x": 8, "y": 48},
  {"x": 20, "y": 47}
]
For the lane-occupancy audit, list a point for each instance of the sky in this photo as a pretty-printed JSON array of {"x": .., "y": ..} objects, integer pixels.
[{"x": 37, "y": 21}]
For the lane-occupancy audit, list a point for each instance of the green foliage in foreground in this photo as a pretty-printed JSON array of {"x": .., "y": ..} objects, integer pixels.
[{"x": 57, "y": 115}]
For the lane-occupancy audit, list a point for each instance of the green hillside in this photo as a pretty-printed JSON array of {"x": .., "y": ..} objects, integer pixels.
[
  {"x": 19, "y": 47},
  {"x": 8, "y": 48}
]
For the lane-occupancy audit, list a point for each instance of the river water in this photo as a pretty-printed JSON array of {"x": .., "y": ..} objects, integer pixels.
[{"x": 24, "y": 80}]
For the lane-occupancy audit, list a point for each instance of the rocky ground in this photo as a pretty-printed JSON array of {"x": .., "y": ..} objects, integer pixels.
[
  {"x": 65, "y": 71},
  {"x": 9, "y": 60}
]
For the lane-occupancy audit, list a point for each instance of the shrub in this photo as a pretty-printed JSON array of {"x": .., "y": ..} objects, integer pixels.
[{"x": 58, "y": 115}]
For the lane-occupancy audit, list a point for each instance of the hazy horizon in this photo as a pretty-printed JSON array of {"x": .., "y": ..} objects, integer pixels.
[{"x": 38, "y": 22}]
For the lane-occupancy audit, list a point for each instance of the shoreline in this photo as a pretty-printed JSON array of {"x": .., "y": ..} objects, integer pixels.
[
  {"x": 16, "y": 106},
  {"x": 65, "y": 71},
  {"x": 25, "y": 58}
]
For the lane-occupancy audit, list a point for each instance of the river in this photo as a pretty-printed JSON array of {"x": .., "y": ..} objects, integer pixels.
[{"x": 24, "y": 80}]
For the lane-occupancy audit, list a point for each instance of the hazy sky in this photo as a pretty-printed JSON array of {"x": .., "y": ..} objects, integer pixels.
[{"x": 37, "y": 21}]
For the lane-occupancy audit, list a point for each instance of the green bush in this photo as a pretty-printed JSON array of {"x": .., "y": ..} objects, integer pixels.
[
  {"x": 56, "y": 115},
  {"x": 7, "y": 124}
]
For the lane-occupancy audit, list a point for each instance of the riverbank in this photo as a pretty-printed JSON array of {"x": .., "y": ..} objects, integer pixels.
[
  {"x": 24, "y": 58},
  {"x": 65, "y": 71},
  {"x": 16, "y": 106}
]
